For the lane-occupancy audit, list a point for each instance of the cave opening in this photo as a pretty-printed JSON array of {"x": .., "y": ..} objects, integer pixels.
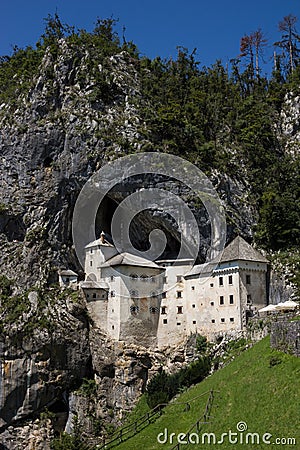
[
  {"x": 140, "y": 228},
  {"x": 47, "y": 163}
]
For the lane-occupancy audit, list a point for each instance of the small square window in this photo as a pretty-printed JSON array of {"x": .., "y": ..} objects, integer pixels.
[
  {"x": 193, "y": 306},
  {"x": 179, "y": 310},
  {"x": 221, "y": 300},
  {"x": 179, "y": 294},
  {"x": 163, "y": 295},
  {"x": 164, "y": 310},
  {"x": 193, "y": 288},
  {"x": 112, "y": 293},
  {"x": 220, "y": 281},
  {"x": 213, "y": 321},
  {"x": 231, "y": 319},
  {"x": 229, "y": 279},
  {"x": 222, "y": 319},
  {"x": 212, "y": 303},
  {"x": 231, "y": 299},
  {"x": 211, "y": 284},
  {"x": 248, "y": 279},
  {"x": 165, "y": 321},
  {"x": 179, "y": 278},
  {"x": 194, "y": 322}
]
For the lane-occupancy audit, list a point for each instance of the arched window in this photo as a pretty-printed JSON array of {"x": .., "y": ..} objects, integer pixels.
[
  {"x": 153, "y": 294},
  {"x": 144, "y": 277},
  {"x": 134, "y": 309},
  {"x": 134, "y": 276},
  {"x": 134, "y": 293}
]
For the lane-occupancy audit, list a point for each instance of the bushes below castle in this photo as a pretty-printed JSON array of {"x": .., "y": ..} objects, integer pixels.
[{"x": 163, "y": 387}]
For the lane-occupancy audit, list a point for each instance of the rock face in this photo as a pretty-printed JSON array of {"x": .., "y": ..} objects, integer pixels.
[
  {"x": 43, "y": 357},
  {"x": 290, "y": 123},
  {"x": 51, "y": 142}
]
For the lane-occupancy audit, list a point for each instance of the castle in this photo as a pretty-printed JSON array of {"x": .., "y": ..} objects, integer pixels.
[{"x": 161, "y": 303}]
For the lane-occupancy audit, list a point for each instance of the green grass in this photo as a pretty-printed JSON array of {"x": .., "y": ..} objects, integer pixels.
[{"x": 265, "y": 396}]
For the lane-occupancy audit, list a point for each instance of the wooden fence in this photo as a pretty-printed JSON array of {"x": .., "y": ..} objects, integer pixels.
[
  {"x": 138, "y": 425},
  {"x": 204, "y": 419}
]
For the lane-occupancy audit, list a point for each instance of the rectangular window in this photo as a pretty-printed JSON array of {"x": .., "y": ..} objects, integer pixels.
[
  {"x": 229, "y": 279},
  {"x": 249, "y": 299},
  {"x": 165, "y": 321},
  {"x": 92, "y": 251},
  {"x": 248, "y": 279},
  {"x": 179, "y": 278},
  {"x": 220, "y": 281},
  {"x": 94, "y": 295},
  {"x": 164, "y": 279},
  {"x": 193, "y": 288},
  {"x": 213, "y": 321},
  {"x": 179, "y": 294},
  {"x": 179, "y": 310},
  {"x": 178, "y": 323},
  {"x": 91, "y": 263},
  {"x": 231, "y": 299},
  {"x": 164, "y": 310},
  {"x": 221, "y": 300},
  {"x": 163, "y": 295},
  {"x": 112, "y": 293},
  {"x": 231, "y": 319},
  {"x": 222, "y": 319},
  {"x": 112, "y": 278}
]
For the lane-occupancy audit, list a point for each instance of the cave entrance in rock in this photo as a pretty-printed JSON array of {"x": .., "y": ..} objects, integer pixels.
[
  {"x": 140, "y": 227},
  {"x": 48, "y": 161}
]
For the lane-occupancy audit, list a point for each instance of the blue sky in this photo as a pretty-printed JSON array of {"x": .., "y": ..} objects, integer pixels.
[{"x": 157, "y": 26}]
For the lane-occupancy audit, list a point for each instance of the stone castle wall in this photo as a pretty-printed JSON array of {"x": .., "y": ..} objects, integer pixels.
[{"x": 285, "y": 336}]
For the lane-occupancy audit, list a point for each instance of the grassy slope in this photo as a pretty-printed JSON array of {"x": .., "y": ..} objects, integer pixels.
[{"x": 266, "y": 398}]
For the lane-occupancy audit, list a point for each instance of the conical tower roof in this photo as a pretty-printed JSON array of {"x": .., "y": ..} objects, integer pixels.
[{"x": 239, "y": 249}]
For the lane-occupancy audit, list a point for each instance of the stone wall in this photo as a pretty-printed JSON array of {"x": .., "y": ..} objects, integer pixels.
[{"x": 285, "y": 336}]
